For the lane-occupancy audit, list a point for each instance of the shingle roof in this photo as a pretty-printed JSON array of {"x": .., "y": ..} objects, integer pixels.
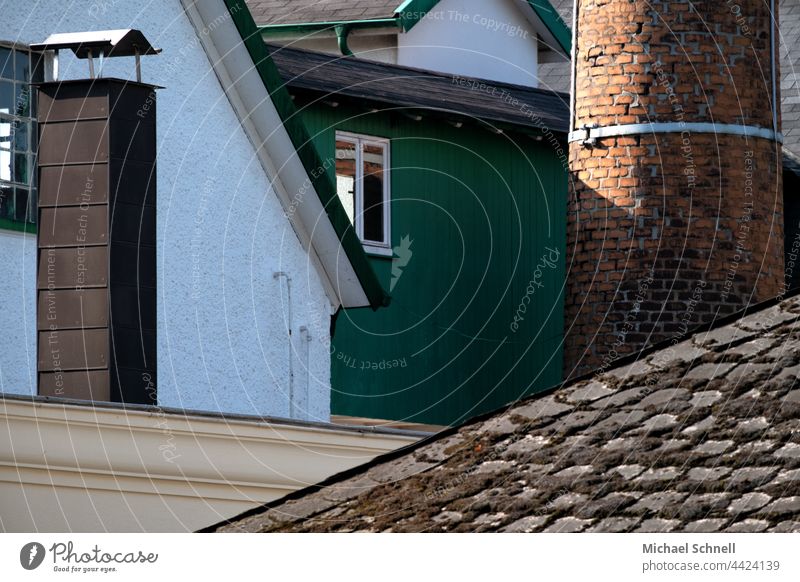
[
  {"x": 703, "y": 435},
  {"x": 393, "y": 85},
  {"x": 305, "y": 11}
]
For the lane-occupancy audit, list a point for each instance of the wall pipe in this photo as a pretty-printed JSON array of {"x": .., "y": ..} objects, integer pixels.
[{"x": 278, "y": 275}]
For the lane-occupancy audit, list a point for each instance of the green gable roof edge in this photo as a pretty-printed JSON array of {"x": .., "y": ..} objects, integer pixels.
[
  {"x": 306, "y": 152},
  {"x": 412, "y": 11},
  {"x": 269, "y": 30},
  {"x": 554, "y": 23}
]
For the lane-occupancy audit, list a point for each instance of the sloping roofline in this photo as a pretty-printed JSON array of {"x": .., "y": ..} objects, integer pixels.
[
  {"x": 410, "y": 12},
  {"x": 376, "y": 82},
  {"x": 450, "y": 431},
  {"x": 348, "y": 273}
]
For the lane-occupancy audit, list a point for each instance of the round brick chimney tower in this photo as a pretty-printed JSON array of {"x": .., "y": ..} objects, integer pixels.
[{"x": 676, "y": 213}]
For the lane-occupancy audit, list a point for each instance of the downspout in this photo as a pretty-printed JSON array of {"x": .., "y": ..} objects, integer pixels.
[
  {"x": 573, "y": 62},
  {"x": 342, "y": 32},
  {"x": 773, "y": 26},
  {"x": 286, "y": 276}
]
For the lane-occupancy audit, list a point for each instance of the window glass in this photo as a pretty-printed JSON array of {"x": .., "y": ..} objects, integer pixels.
[
  {"x": 372, "y": 162},
  {"x": 6, "y": 202},
  {"x": 6, "y": 63},
  {"x": 362, "y": 186},
  {"x": 346, "y": 176},
  {"x": 18, "y": 134},
  {"x": 6, "y": 97},
  {"x": 5, "y": 165}
]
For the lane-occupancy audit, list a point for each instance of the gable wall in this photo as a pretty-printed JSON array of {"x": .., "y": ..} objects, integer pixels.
[
  {"x": 474, "y": 38},
  {"x": 221, "y": 236}
]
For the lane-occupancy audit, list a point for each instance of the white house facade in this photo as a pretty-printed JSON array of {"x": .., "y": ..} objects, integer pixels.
[{"x": 245, "y": 293}]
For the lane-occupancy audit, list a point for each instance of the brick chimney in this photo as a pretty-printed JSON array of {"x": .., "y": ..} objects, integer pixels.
[{"x": 676, "y": 212}]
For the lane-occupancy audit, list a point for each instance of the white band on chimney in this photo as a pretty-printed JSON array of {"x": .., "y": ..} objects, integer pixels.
[{"x": 590, "y": 135}]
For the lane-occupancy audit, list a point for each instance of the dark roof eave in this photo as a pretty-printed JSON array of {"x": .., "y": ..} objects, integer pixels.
[{"x": 444, "y": 114}]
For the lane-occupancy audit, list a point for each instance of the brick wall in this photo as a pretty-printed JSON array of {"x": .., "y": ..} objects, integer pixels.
[{"x": 667, "y": 231}]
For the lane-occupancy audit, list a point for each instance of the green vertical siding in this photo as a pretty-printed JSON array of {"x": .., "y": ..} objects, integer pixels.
[{"x": 481, "y": 210}]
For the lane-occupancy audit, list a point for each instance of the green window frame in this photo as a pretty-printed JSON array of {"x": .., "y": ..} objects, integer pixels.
[{"x": 19, "y": 67}]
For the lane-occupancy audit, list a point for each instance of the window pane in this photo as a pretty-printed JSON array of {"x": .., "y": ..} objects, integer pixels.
[
  {"x": 5, "y": 133},
  {"x": 6, "y": 203},
  {"x": 21, "y": 205},
  {"x": 22, "y": 99},
  {"x": 346, "y": 176},
  {"x": 6, "y": 97},
  {"x": 21, "y": 168},
  {"x": 21, "y": 136},
  {"x": 5, "y": 165},
  {"x": 6, "y": 64},
  {"x": 22, "y": 69},
  {"x": 373, "y": 193}
]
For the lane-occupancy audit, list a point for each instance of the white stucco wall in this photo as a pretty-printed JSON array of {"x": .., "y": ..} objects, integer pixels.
[
  {"x": 17, "y": 313},
  {"x": 222, "y": 335},
  {"x": 474, "y": 38}
]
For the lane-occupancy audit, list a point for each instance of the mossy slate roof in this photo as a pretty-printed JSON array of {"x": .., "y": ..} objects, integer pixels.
[
  {"x": 307, "y": 11},
  {"x": 699, "y": 436}
]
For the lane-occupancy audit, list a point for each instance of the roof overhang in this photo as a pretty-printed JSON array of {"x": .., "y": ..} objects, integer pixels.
[
  {"x": 284, "y": 148},
  {"x": 541, "y": 14}
]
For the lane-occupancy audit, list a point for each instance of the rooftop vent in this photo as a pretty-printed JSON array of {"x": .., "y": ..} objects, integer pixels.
[{"x": 101, "y": 44}]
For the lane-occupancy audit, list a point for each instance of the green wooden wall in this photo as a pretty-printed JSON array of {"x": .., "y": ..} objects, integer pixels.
[{"x": 486, "y": 214}]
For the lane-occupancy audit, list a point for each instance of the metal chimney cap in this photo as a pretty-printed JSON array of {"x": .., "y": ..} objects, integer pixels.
[{"x": 112, "y": 43}]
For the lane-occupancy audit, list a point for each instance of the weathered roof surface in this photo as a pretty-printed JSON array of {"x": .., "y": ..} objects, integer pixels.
[
  {"x": 703, "y": 435},
  {"x": 305, "y": 11},
  {"x": 393, "y": 85}
]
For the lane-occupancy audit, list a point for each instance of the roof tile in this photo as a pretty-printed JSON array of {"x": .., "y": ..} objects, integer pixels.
[{"x": 694, "y": 457}]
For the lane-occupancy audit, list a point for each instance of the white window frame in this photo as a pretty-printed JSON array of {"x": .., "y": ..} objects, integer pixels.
[{"x": 358, "y": 141}]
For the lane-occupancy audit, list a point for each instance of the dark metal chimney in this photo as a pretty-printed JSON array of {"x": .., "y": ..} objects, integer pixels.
[{"x": 96, "y": 280}]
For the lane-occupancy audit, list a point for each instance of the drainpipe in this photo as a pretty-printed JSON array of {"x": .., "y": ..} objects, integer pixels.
[
  {"x": 305, "y": 339},
  {"x": 774, "y": 67},
  {"x": 286, "y": 276},
  {"x": 342, "y": 32}
]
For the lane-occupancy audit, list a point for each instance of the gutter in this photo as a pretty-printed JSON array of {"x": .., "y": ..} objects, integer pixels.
[{"x": 272, "y": 30}]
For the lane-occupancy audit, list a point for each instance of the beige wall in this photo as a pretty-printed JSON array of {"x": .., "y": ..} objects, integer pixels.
[{"x": 77, "y": 467}]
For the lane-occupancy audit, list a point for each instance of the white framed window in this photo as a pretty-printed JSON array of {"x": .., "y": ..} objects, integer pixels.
[
  {"x": 362, "y": 183},
  {"x": 18, "y": 140}
]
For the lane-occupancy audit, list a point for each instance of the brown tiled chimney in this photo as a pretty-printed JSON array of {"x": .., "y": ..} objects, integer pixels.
[
  {"x": 96, "y": 280},
  {"x": 675, "y": 215}
]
